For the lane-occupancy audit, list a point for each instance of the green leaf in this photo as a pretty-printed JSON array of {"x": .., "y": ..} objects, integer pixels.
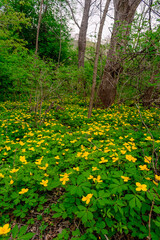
[
  {"x": 154, "y": 236},
  {"x": 132, "y": 203},
  {"x": 82, "y": 208},
  {"x": 100, "y": 224},
  {"x": 15, "y": 231},
  {"x": 80, "y": 179},
  {"x": 80, "y": 214},
  {"x": 157, "y": 223},
  {"x": 89, "y": 215},
  {"x": 150, "y": 196},
  {"x": 138, "y": 203},
  {"x": 27, "y": 236},
  {"x": 56, "y": 215},
  {"x": 128, "y": 196},
  {"x": 76, "y": 232},
  {"x": 22, "y": 230},
  {"x": 156, "y": 209}
]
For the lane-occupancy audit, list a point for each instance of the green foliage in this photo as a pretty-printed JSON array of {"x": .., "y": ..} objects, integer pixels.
[
  {"x": 100, "y": 174},
  {"x": 54, "y": 34},
  {"x": 21, "y": 234},
  {"x": 140, "y": 78}
]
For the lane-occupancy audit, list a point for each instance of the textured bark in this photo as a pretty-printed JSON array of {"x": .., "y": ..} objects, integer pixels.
[
  {"x": 124, "y": 15},
  {"x": 82, "y": 34},
  {"x": 97, "y": 57}
]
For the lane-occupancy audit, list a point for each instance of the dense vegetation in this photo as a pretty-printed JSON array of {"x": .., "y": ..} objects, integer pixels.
[
  {"x": 99, "y": 174},
  {"x": 64, "y": 175}
]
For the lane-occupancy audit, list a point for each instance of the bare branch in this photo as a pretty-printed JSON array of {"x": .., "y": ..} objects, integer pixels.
[
  {"x": 69, "y": 5},
  {"x": 157, "y": 13}
]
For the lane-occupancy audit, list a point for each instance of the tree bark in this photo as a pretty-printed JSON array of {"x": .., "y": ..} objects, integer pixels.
[
  {"x": 82, "y": 34},
  {"x": 124, "y": 15},
  {"x": 38, "y": 28},
  {"x": 97, "y": 57}
]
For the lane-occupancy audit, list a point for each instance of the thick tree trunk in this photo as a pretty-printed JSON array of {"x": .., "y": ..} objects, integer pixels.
[
  {"x": 82, "y": 34},
  {"x": 124, "y": 14},
  {"x": 97, "y": 57}
]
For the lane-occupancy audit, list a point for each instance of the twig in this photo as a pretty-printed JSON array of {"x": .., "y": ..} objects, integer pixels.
[
  {"x": 149, "y": 223},
  {"x": 156, "y": 193},
  {"x": 73, "y": 16},
  {"x": 106, "y": 237}
]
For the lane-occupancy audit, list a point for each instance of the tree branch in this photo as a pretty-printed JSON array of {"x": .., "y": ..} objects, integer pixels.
[{"x": 72, "y": 13}]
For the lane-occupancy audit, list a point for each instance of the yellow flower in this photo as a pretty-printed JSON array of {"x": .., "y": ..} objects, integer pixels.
[
  {"x": 123, "y": 151},
  {"x": 85, "y": 155},
  {"x": 148, "y": 138},
  {"x": 131, "y": 158},
  {"x": 94, "y": 168},
  {"x": 57, "y": 157},
  {"x": 125, "y": 178},
  {"x": 46, "y": 175},
  {"x": 115, "y": 159},
  {"x": 103, "y": 160},
  {"x": 31, "y": 149},
  {"x": 14, "y": 170},
  {"x": 155, "y": 182},
  {"x": 5, "y": 229},
  {"x": 21, "y": 143},
  {"x": 65, "y": 178},
  {"x": 44, "y": 183},
  {"x": 141, "y": 187},
  {"x": 157, "y": 177},
  {"x": 90, "y": 177},
  {"x": 87, "y": 198},
  {"x": 43, "y": 168},
  {"x": 147, "y": 178},
  {"x": 23, "y": 190},
  {"x": 76, "y": 169},
  {"x": 131, "y": 139},
  {"x": 23, "y": 160},
  {"x": 11, "y": 182},
  {"x": 1, "y": 175},
  {"x": 147, "y": 159},
  {"x": 143, "y": 167},
  {"x": 79, "y": 154},
  {"x": 38, "y": 161},
  {"x": 98, "y": 179},
  {"x": 7, "y": 148}
]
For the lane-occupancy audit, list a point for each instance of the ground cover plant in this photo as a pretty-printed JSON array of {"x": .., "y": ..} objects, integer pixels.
[{"x": 71, "y": 177}]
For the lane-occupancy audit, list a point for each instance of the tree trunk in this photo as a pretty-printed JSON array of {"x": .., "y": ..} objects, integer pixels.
[
  {"x": 97, "y": 56},
  {"x": 82, "y": 34},
  {"x": 38, "y": 28},
  {"x": 124, "y": 14}
]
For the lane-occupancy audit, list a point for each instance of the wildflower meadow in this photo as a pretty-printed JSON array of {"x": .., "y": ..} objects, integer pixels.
[{"x": 70, "y": 177}]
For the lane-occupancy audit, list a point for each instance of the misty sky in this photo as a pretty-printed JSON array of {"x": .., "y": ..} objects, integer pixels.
[{"x": 94, "y": 20}]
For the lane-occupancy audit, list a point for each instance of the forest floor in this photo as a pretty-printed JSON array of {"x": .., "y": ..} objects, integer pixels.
[{"x": 64, "y": 176}]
